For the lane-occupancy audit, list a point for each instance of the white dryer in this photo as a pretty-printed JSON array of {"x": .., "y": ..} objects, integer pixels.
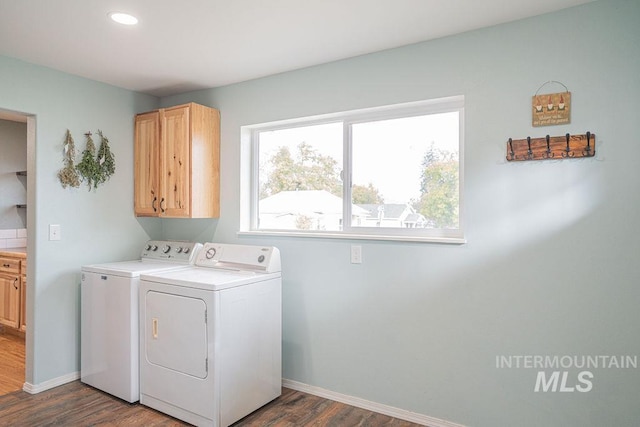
[
  {"x": 211, "y": 335},
  {"x": 109, "y": 334}
]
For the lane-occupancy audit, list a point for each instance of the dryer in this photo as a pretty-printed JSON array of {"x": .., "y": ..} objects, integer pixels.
[
  {"x": 211, "y": 335},
  {"x": 109, "y": 316}
]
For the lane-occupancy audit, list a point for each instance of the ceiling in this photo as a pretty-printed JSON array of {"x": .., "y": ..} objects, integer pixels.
[{"x": 195, "y": 44}]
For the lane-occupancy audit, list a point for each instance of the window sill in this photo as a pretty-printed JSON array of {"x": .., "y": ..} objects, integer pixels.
[{"x": 355, "y": 236}]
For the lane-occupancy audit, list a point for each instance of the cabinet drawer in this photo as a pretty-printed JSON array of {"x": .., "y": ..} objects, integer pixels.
[{"x": 10, "y": 265}]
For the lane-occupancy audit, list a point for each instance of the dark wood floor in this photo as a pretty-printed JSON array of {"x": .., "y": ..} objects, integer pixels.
[
  {"x": 75, "y": 404},
  {"x": 11, "y": 362}
]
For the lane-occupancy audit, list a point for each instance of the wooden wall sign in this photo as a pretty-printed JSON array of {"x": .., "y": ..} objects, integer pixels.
[{"x": 551, "y": 109}]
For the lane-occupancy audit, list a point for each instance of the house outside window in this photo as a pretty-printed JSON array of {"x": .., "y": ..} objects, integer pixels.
[{"x": 391, "y": 172}]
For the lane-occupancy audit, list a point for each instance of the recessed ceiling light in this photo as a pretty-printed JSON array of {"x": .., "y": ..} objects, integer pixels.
[{"x": 123, "y": 18}]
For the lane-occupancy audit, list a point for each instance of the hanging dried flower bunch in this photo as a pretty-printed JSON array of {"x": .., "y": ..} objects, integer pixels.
[
  {"x": 92, "y": 169},
  {"x": 88, "y": 167},
  {"x": 68, "y": 175},
  {"x": 105, "y": 159}
]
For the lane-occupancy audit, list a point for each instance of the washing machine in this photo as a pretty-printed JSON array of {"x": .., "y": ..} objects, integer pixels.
[
  {"x": 109, "y": 355},
  {"x": 211, "y": 335}
]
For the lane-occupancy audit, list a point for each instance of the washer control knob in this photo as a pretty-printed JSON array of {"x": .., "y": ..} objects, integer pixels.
[
  {"x": 261, "y": 258},
  {"x": 186, "y": 250},
  {"x": 148, "y": 247},
  {"x": 154, "y": 248},
  {"x": 211, "y": 252},
  {"x": 179, "y": 249},
  {"x": 166, "y": 249}
]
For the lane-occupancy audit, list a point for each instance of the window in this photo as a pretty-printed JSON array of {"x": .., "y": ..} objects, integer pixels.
[{"x": 383, "y": 173}]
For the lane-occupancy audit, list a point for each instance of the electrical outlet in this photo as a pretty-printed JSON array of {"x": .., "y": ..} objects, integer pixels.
[
  {"x": 54, "y": 232},
  {"x": 356, "y": 254}
]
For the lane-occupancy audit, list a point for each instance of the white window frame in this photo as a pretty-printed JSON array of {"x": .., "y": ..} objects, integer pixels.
[{"x": 250, "y": 165}]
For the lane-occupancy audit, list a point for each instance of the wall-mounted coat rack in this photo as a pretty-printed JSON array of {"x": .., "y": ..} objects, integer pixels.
[{"x": 551, "y": 147}]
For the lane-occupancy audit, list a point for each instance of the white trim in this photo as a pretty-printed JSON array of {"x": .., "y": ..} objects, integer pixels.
[
  {"x": 328, "y": 235},
  {"x": 49, "y": 384},
  {"x": 249, "y": 170},
  {"x": 435, "y": 105},
  {"x": 391, "y": 411}
]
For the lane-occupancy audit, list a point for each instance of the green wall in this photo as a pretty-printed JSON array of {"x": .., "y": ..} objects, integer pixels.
[
  {"x": 96, "y": 226},
  {"x": 550, "y": 267}
]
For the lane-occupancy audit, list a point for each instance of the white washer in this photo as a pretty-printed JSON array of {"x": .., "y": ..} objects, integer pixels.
[
  {"x": 211, "y": 335},
  {"x": 109, "y": 357}
]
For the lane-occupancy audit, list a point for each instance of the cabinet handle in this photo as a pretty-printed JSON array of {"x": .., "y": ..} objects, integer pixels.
[
  {"x": 161, "y": 202},
  {"x": 153, "y": 204},
  {"x": 154, "y": 328},
  {"x": 14, "y": 283},
  {"x": 6, "y": 265}
]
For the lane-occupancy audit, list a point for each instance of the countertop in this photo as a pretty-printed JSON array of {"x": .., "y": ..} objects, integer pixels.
[{"x": 14, "y": 252}]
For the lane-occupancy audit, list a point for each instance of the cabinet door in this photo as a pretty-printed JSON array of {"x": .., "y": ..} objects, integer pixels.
[
  {"x": 9, "y": 300},
  {"x": 175, "y": 162},
  {"x": 147, "y": 158},
  {"x": 23, "y": 303},
  {"x": 205, "y": 162}
]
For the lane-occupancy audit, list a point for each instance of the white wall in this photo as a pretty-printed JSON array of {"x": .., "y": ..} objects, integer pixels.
[
  {"x": 550, "y": 267},
  {"x": 97, "y": 226},
  {"x": 13, "y": 158}
]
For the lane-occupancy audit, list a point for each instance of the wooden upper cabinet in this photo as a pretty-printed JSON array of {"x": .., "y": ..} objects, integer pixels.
[
  {"x": 177, "y": 162},
  {"x": 147, "y": 158}
]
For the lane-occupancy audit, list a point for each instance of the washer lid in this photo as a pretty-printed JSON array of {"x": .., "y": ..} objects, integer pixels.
[
  {"x": 131, "y": 268},
  {"x": 207, "y": 278}
]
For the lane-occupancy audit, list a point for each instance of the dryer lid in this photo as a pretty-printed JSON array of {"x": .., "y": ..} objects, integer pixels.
[{"x": 210, "y": 279}]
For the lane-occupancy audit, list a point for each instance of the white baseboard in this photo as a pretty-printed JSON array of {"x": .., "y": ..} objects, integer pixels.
[
  {"x": 55, "y": 382},
  {"x": 295, "y": 385},
  {"x": 368, "y": 405}
]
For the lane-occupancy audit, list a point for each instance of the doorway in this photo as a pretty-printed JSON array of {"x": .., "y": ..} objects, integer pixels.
[{"x": 18, "y": 132}]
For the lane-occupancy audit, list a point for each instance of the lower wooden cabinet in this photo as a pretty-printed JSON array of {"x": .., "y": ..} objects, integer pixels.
[
  {"x": 13, "y": 292},
  {"x": 23, "y": 303},
  {"x": 10, "y": 300}
]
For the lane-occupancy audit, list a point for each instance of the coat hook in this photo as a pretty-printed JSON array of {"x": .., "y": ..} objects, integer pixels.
[
  {"x": 587, "y": 151},
  {"x": 548, "y": 154},
  {"x": 529, "y": 152},
  {"x": 568, "y": 152},
  {"x": 88, "y": 133}
]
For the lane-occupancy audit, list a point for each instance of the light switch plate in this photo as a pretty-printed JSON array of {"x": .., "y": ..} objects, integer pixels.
[{"x": 54, "y": 232}]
